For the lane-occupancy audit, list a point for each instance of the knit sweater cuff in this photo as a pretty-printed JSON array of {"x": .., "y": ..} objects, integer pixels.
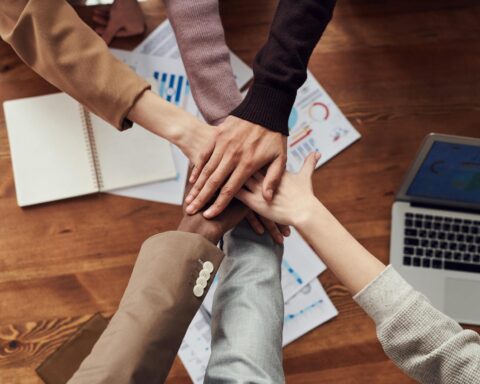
[
  {"x": 381, "y": 297},
  {"x": 266, "y": 106}
]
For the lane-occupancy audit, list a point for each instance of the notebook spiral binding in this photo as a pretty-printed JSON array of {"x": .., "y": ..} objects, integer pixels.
[{"x": 90, "y": 141}]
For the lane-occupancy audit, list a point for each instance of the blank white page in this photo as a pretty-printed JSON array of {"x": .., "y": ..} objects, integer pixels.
[
  {"x": 132, "y": 157},
  {"x": 49, "y": 149}
]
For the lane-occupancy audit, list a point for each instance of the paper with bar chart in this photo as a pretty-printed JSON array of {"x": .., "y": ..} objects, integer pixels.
[
  {"x": 308, "y": 309},
  {"x": 316, "y": 124}
]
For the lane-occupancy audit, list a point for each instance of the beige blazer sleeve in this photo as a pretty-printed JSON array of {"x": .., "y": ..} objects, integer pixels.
[
  {"x": 50, "y": 38},
  {"x": 143, "y": 337}
]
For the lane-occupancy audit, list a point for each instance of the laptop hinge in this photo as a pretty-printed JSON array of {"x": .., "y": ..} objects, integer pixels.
[{"x": 444, "y": 208}]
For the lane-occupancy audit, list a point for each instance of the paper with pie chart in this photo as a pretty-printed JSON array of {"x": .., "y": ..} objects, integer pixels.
[{"x": 316, "y": 124}]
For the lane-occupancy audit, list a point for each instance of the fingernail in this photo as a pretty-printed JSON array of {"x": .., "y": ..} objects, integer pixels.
[
  {"x": 189, "y": 199},
  {"x": 260, "y": 230},
  {"x": 208, "y": 213},
  {"x": 190, "y": 209},
  {"x": 287, "y": 232}
]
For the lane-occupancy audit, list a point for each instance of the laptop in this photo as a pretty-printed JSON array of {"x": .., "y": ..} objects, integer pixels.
[{"x": 435, "y": 239}]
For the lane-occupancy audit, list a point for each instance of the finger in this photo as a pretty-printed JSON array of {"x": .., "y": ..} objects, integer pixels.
[
  {"x": 255, "y": 223},
  {"x": 259, "y": 177},
  {"x": 198, "y": 167},
  {"x": 247, "y": 198},
  {"x": 110, "y": 31},
  {"x": 284, "y": 229},
  {"x": 253, "y": 185},
  {"x": 206, "y": 171},
  {"x": 309, "y": 164},
  {"x": 212, "y": 185},
  {"x": 228, "y": 191},
  {"x": 272, "y": 229},
  {"x": 100, "y": 19},
  {"x": 273, "y": 177}
]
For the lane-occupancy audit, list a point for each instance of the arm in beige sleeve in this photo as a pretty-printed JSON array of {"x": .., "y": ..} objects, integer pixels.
[
  {"x": 425, "y": 343},
  {"x": 50, "y": 38},
  {"x": 143, "y": 337},
  {"x": 201, "y": 39}
]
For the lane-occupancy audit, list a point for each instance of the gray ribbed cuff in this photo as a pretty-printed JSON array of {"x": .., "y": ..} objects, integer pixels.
[{"x": 382, "y": 296}]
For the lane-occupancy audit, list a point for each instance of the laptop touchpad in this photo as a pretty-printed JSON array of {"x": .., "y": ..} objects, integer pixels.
[{"x": 462, "y": 299}]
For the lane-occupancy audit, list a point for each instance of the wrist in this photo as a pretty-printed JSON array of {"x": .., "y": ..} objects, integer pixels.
[
  {"x": 313, "y": 212},
  {"x": 159, "y": 117},
  {"x": 195, "y": 224}
]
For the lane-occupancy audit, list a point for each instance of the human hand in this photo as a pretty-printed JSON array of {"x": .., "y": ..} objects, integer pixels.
[
  {"x": 294, "y": 198},
  {"x": 214, "y": 229},
  {"x": 241, "y": 149},
  {"x": 259, "y": 224},
  {"x": 124, "y": 18}
]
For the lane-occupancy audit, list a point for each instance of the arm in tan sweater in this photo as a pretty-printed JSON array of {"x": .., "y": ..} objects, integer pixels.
[{"x": 50, "y": 38}]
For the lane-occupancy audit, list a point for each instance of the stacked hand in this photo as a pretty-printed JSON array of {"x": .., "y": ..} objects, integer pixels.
[
  {"x": 241, "y": 149},
  {"x": 294, "y": 198}
]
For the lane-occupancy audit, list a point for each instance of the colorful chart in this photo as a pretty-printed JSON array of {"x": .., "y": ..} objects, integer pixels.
[
  {"x": 319, "y": 111},
  {"x": 173, "y": 88},
  {"x": 294, "y": 274},
  {"x": 291, "y": 316}
]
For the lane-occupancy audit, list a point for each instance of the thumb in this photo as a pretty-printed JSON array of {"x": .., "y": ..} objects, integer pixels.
[
  {"x": 273, "y": 178},
  {"x": 110, "y": 31},
  {"x": 309, "y": 164}
]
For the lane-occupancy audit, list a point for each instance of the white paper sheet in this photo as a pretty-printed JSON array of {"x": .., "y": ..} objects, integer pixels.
[
  {"x": 303, "y": 312},
  {"x": 195, "y": 348},
  {"x": 316, "y": 124},
  {"x": 300, "y": 265}
]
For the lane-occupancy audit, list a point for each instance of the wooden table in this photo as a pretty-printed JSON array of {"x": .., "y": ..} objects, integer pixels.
[{"x": 397, "y": 69}]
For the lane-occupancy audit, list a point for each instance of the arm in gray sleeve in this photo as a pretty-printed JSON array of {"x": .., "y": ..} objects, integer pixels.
[{"x": 422, "y": 341}]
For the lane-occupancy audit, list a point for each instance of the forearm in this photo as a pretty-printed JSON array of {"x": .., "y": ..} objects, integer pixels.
[
  {"x": 142, "y": 339},
  {"x": 425, "y": 343},
  {"x": 200, "y": 37},
  {"x": 248, "y": 301},
  {"x": 50, "y": 38},
  {"x": 354, "y": 266},
  {"x": 163, "y": 118},
  {"x": 280, "y": 67}
]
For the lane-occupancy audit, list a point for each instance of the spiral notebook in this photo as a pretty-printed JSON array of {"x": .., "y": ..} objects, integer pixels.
[{"x": 60, "y": 150}]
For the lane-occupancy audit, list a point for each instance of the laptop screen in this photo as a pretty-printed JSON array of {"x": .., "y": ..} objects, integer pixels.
[{"x": 449, "y": 172}]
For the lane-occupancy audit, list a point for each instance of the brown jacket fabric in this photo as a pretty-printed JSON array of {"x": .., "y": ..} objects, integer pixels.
[
  {"x": 50, "y": 38},
  {"x": 143, "y": 337}
]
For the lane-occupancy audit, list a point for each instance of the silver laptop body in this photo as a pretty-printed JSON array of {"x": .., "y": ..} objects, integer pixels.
[{"x": 435, "y": 238}]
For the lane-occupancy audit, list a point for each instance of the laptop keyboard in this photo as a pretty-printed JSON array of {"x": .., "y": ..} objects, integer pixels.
[{"x": 441, "y": 243}]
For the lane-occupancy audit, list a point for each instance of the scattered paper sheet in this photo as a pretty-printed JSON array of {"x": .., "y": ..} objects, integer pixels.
[
  {"x": 300, "y": 265},
  {"x": 195, "y": 349},
  {"x": 161, "y": 42},
  {"x": 303, "y": 312},
  {"x": 316, "y": 124}
]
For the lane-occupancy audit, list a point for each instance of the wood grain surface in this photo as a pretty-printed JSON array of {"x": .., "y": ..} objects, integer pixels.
[{"x": 397, "y": 69}]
